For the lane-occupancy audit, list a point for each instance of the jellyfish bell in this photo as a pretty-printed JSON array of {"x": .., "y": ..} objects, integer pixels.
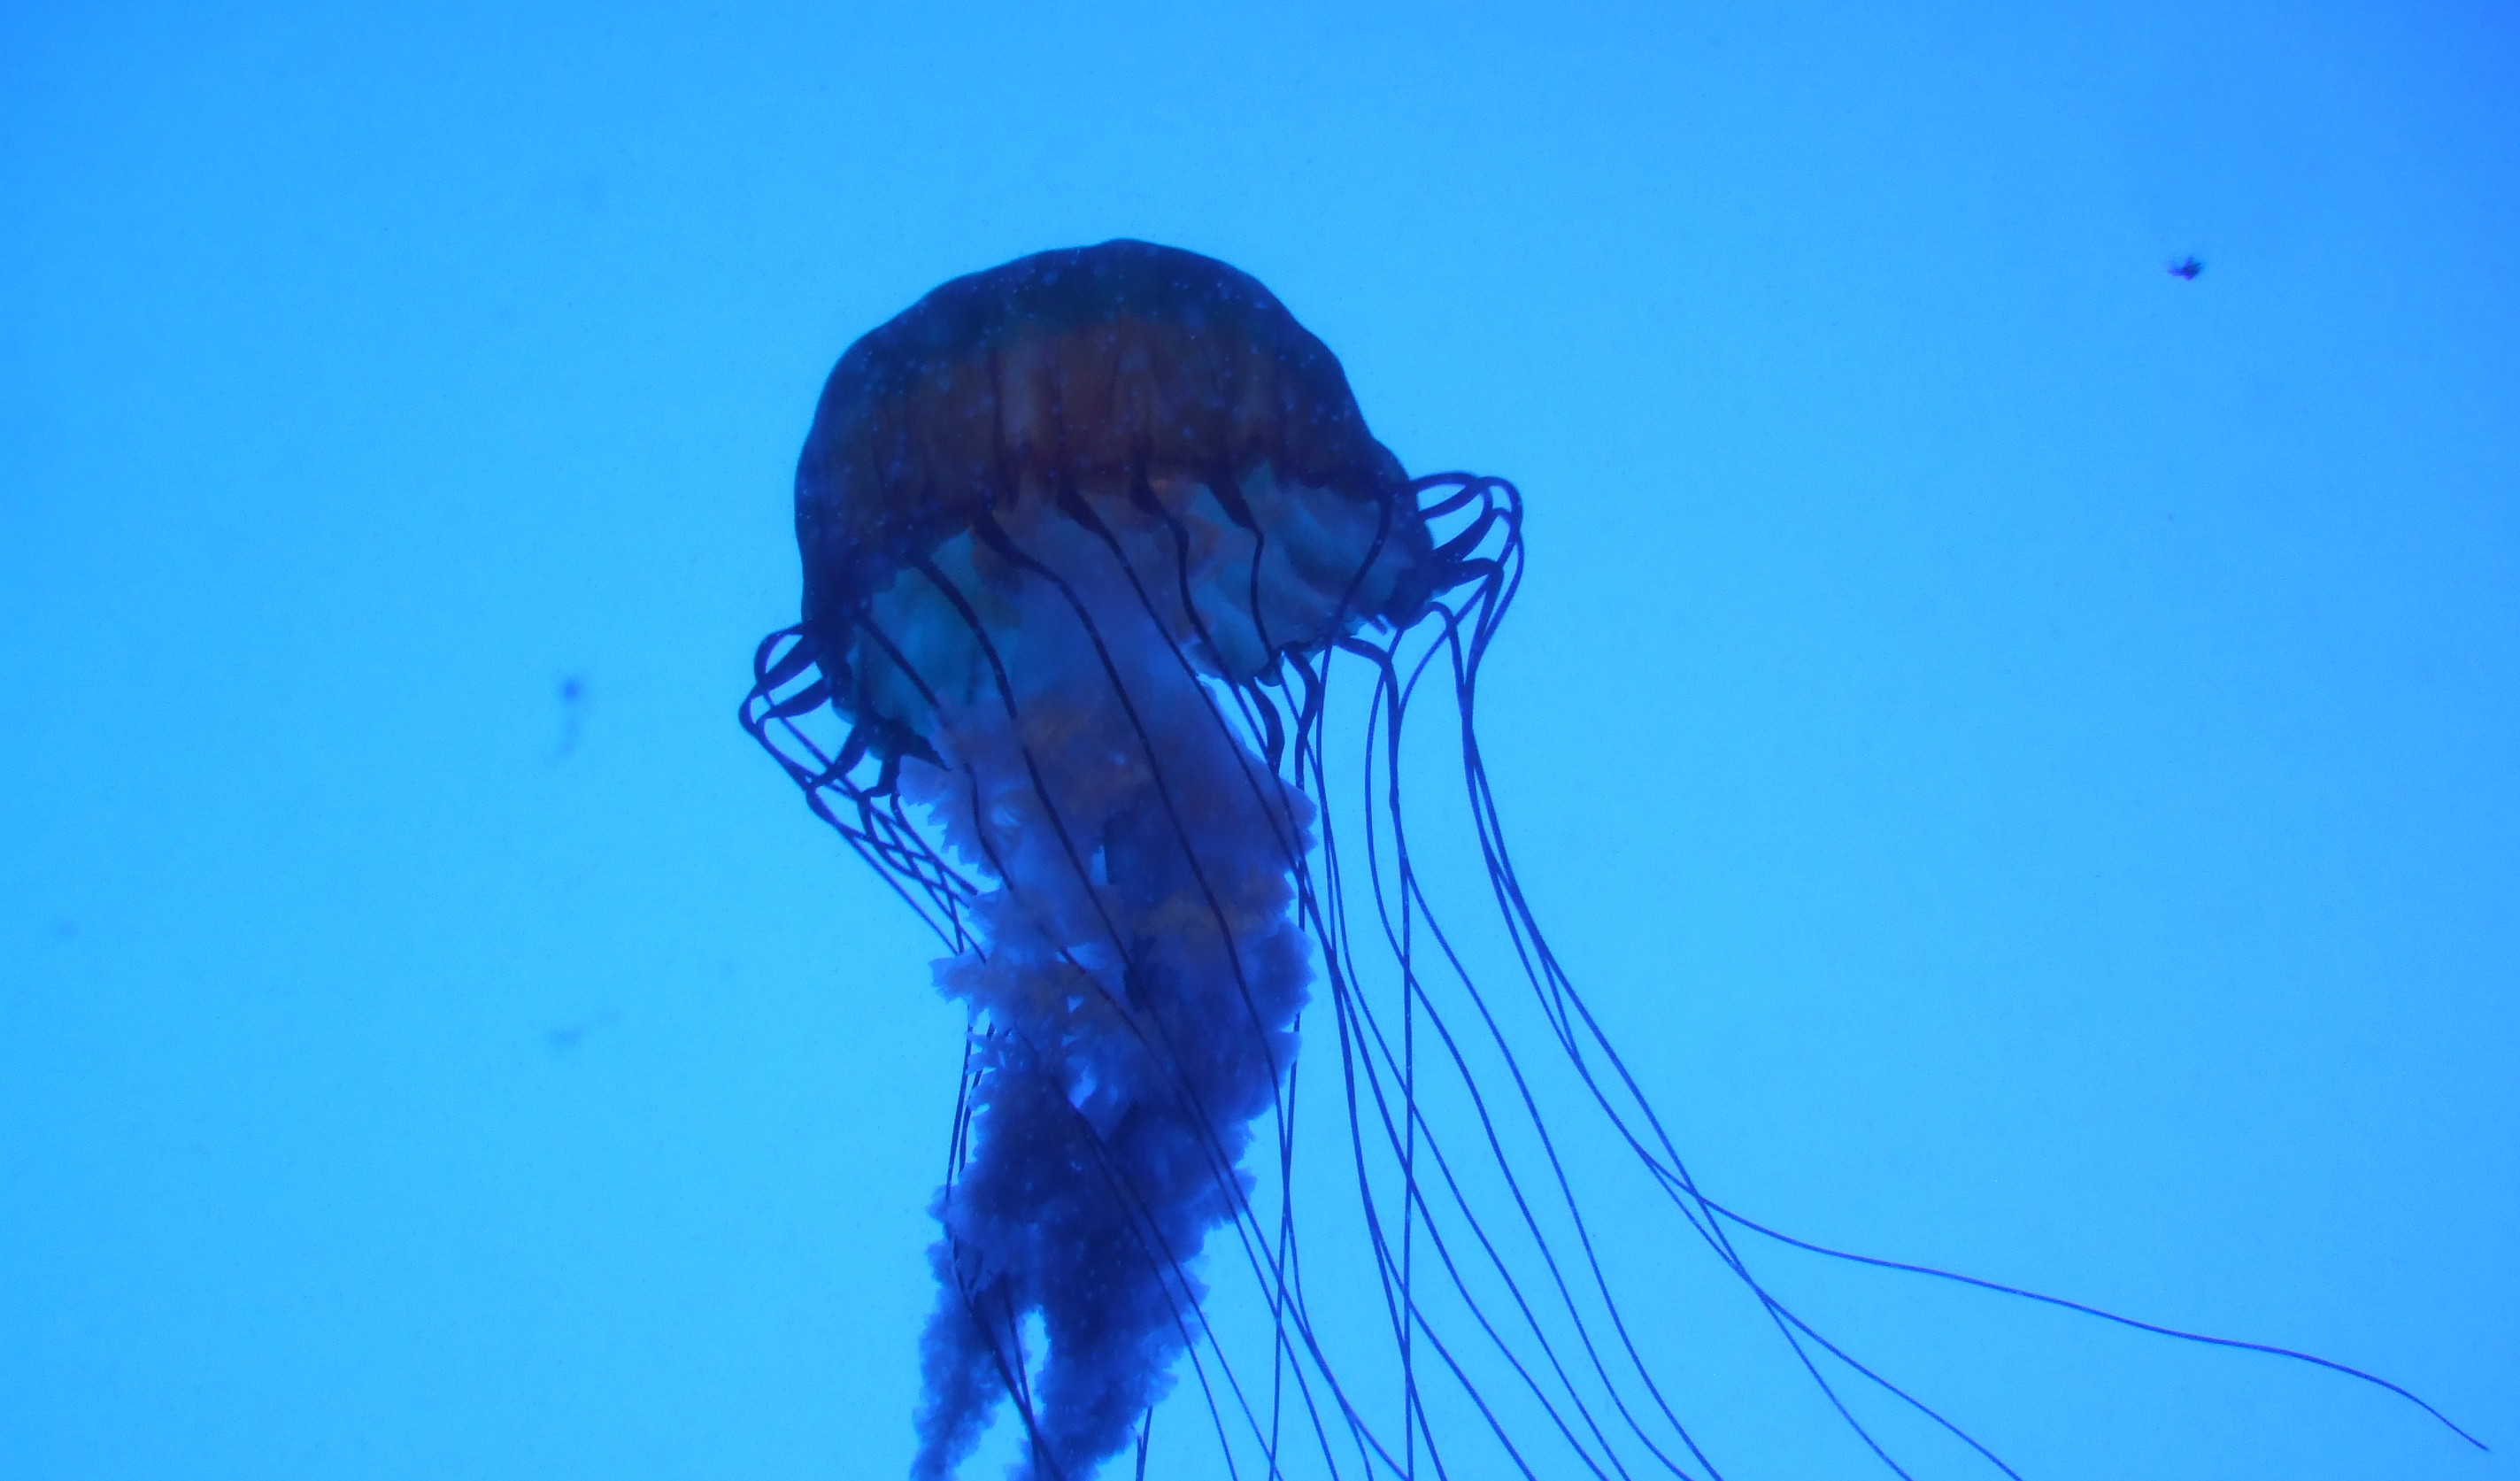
[
  {"x": 1086, "y": 539},
  {"x": 1131, "y": 394}
]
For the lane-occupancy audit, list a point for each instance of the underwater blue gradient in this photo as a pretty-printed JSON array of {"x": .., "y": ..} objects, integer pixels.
[{"x": 2021, "y": 747}]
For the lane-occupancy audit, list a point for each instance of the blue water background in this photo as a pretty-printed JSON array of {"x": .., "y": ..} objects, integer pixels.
[{"x": 2022, "y": 748}]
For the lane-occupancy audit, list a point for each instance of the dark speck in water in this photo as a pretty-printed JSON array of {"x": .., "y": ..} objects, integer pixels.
[
  {"x": 572, "y": 715},
  {"x": 569, "y": 1036}
]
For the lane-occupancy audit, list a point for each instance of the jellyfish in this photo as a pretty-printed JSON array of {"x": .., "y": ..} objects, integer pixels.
[{"x": 1118, "y": 634}]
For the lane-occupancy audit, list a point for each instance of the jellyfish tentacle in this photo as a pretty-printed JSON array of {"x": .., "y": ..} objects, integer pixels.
[{"x": 2027, "y": 1294}]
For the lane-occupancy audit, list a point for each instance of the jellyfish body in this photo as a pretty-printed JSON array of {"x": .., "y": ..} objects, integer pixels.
[{"x": 1081, "y": 537}]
